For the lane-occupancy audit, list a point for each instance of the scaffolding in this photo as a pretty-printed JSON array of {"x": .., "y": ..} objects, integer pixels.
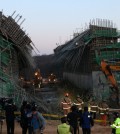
[{"x": 15, "y": 53}]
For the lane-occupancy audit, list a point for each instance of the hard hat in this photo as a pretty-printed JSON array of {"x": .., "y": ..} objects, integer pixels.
[{"x": 66, "y": 94}]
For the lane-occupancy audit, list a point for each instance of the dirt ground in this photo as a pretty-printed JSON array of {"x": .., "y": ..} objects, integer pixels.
[{"x": 52, "y": 127}]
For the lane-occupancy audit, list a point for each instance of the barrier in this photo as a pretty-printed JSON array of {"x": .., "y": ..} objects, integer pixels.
[{"x": 58, "y": 116}]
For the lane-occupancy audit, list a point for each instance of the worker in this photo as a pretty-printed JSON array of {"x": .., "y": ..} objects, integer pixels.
[
  {"x": 116, "y": 125},
  {"x": 23, "y": 121},
  {"x": 103, "y": 110},
  {"x": 64, "y": 128},
  {"x": 73, "y": 118},
  {"x": 66, "y": 104},
  {"x": 79, "y": 103},
  {"x": 10, "y": 108},
  {"x": 93, "y": 107},
  {"x": 86, "y": 121}
]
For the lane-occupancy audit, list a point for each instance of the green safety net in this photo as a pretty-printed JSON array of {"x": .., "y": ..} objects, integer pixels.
[
  {"x": 101, "y": 33},
  {"x": 105, "y": 33},
  {"x": 6, "y": 84},
  {"x": 109, "y": 53}
]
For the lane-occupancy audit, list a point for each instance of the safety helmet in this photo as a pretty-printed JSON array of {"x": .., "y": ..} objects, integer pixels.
[{"x": 66, "y": 94}]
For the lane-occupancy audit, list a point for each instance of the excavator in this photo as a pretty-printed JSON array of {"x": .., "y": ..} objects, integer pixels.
[
  {"x": 107, "y": 69},
  {"x": 37, "y": 81},
  {"x": 52, "y": 78}
]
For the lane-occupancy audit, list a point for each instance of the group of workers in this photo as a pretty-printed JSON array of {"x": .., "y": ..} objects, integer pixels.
[
  {"x": 100, "y": 109},
  {"x": 93, "y": 107},
  {"x": 75, "y": 114}
]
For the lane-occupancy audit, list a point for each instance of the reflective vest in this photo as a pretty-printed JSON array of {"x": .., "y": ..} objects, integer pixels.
[
  {"x": 103, "y": 109},
  {"x": 116, "y": 125},
  {"x": 93, "y": 107},
  {"x": 63, "y": 129},
  {"x": 66, "y": 103},
  {"x": 78, "y": 102}
]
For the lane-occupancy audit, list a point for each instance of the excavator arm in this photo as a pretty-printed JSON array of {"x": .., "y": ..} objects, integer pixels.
[{"x": 107, "y": 70}]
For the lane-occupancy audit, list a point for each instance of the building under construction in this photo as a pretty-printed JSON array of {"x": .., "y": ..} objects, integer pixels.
[
  {"x": 15, "y": 55},
  {"x": 81, "y": 58}
]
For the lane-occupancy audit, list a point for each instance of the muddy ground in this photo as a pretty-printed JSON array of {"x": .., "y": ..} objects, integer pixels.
[{"x": 52, "y": 127}]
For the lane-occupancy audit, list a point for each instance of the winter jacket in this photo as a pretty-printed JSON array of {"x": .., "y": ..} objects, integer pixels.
[
  {"x": 86, "y": 120},
  {"x": 72, "y": 118},
  {"x": 38, "y": 121},
  {"x": 9, "y": 112},
  {"x": 63, "y": 129},
  {"x": 116, "y": 125}
]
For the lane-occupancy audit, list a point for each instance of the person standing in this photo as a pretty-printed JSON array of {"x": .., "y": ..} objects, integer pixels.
[
  {"x": 26, "y": 116},
  {"x": 79, "y": 103},
  {"x": 93, "y": 108},
  {"x": 64, "y": 128},
  {"x": 10, "y": 108},
  {"x": 24, "y": 121},
  {"x": 66, "y": 104},
  {"x": 28, "y": 113},
  {"x": 86, "y": 121},
  {"x": 38, "y": 122},
  {"x": 103, "y": 110},
  {"x": 73, "y": 118},
  {"x": 116, "y": 125}
]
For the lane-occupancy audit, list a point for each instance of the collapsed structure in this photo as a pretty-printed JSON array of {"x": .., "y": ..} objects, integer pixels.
[
  {"x": 81, "y": 58},
  {"x": 15, "y": 55}
]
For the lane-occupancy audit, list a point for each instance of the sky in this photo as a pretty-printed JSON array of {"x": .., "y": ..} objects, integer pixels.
[{"x": 50, "y": 23}]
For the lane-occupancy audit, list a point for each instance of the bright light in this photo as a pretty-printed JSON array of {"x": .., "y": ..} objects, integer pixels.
[{"x": 36, "y": 73}]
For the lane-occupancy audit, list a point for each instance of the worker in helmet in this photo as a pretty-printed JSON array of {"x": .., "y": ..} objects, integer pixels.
[
  {"x": 79, "y": 103},
  {"x": 66, "y": 104},
  {"x": 103, "y": 110},
  {"x": 116, "y": 125},
  {"x": 93, "y": 108}
]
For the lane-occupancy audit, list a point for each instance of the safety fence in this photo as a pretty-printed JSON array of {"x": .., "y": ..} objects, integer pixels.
[{"x": 58, "y": 117}]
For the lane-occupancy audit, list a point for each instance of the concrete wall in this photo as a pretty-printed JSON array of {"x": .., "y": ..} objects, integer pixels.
[
  {"x": 101, "y": 88},
  {"x": 80, "y": 80},
  {"x": 95, "y": 81}
]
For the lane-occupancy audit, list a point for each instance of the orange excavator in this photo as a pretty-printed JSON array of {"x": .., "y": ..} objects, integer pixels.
[{"x": 107, "y": 70}]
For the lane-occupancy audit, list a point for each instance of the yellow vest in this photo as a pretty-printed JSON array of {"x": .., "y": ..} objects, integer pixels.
[{"x": 63, "y": 129}]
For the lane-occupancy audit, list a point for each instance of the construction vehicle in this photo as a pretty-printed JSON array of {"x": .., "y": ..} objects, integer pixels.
[
  {"x": 37, "y": 80},
  {"x": 52, "y": 78},
  {"x": 108, "y": 69},
  {"x": 34, "y": 82}
]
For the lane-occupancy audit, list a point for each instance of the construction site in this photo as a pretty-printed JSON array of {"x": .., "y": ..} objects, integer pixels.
[
  {"x": 90, "y": 61},
  {"x": 16, "y": 61}
]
